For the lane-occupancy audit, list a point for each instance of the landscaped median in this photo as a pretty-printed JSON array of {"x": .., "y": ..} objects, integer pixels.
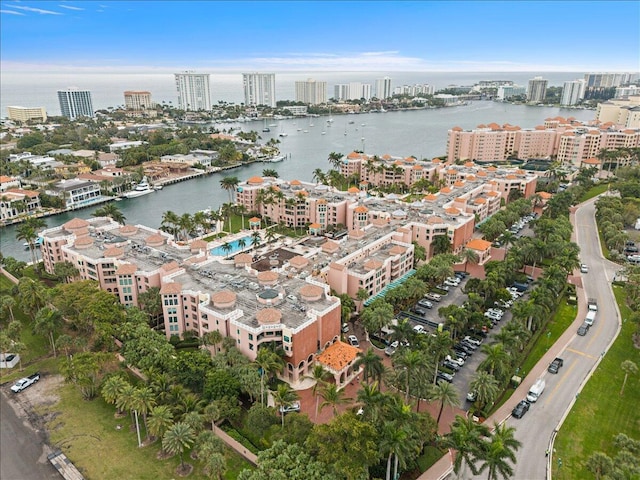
[{"x": 601, "y": 412}]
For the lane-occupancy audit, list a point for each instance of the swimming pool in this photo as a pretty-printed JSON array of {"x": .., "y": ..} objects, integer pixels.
[{"x": 235, "y": 247}]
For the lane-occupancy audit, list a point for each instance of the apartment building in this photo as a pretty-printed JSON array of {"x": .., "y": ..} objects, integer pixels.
[
  {"x": 193, "y": 89},
  {"x": 200, "y": 294},
  {"x": 16, "y": 201},
  {"x": 75, "y": 103},
  {"x": 311, "y": 92},
  {"x": 76, "y": 193},
  {"x": 537, "y": 90},
  {"x": 26, "y": 114},
  {"x": 573, "y": 92},
  {"x": 384, "y": 88},
  {"x": 259, "y": 89},
  {"x": 138, "y": 100},
  {"x": 623, "y": 112}
]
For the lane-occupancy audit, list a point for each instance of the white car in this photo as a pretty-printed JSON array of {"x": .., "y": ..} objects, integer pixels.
[
  {"x": 449, "y": 283},
  {"x": 353, "y": 341},
  {"x": 293, "y": 407},
  {"x": 455, "y": 280},
  {"x": 584, "y": 268},
  {"x": 419, "y": 329},
  {"x": 457, "y": 360},
  {"x": 492, "y": 316},
  {"x": 472, "y": 340},
  {"x": 497, "y": 311}
]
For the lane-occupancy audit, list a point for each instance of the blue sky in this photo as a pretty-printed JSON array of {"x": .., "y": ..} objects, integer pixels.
[{"x": 320, "y": 36}]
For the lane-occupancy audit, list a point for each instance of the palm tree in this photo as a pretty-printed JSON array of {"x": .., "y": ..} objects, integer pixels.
[
  {"x": 373, "y": 368},
  {"x": 47, "y": 322},
  {"x": 226, "y": 247},
  {"x": 195, "y": 420},
  {"x": 125, "y": 400},
  {"x": 242, "y": 210},
  {"x": 628, "y": 367},
  {"x": 332, "y": 396},
  {"x": 486, "y": 387},
  {"x": 319, "y": 375},
  {"x": 270, "y": 172},
  {"x": 498, "y": 450},
  {"x": 170, "y": 222},
  {"x": 112, "y": 211},
  {"x": 409, "y": 362},
  {"x": 255, "y": 239},
  {"x": 185, "y": 226},
  {"x": 446, "y": 394},
  {"x": 268, "y": 362},
  {"x": 144, "y": 400},
  {"x": 160, "y": 420},
  {"x": 466, "y": 438},
  {"x": 212, "y": 338},
  {"x": 469, "y": 255},
  {"x": 212, "y": 414},
  {"x": 508, "y": 238},
  {"x": 284, "y": 396},
  {"x": 229, "y": 184},
  {"x": 439, "y": 346},
  {"x": 112, "y": 387},
  {"x": 7, "y": 302},
  {"x": 497, "y": 359},
  {"x": 177, "y": 439},
  {"x": 361, "y": 295},
  {"x": 394, "y": 444},
  {"x": 372, "y": 401},
  {"x": 26, "y": 233}
]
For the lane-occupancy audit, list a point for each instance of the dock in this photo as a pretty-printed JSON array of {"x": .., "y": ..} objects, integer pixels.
[{"x": 64, "y": 466}]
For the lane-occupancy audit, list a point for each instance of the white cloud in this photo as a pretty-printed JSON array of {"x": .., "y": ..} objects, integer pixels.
[
  {"x": 12, "y": 12},
  {"x": 69, "y": 7},
  {"x": 36, "y": 10}
]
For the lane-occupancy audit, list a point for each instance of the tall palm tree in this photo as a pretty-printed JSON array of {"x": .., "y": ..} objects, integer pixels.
[
  {"x": 112, "y": 211},
  {"x": 333, "y": 397},
  {"x": 284, "y": 396},
  {"x": 486, "y": 387},
  {"x": 469, "y": 255},
  {"x": 170, "y": 222},
  {"x": 497, "y": 360},
  {"x": 112, "y": 387},
  {"x": 144, "y": 400},
  {"x": 440, "y": 346},
  {"x": 212, "y": 414},
  {"x": 212, "y": 338},
  {"x": 409, "y": 362},
  {"x": 394, "y": 445},
  {"x": 446, "y": 394},
  {"x": 372, "y": 401},
  {"x": 125, "y": 402},
  {"x": 320, "y": 376},
  {"x": 48, "y": 321},
  {"x": 229, "y": 184},
  {"x": 268, "y": 362},
  {"x": 372, "y": 366},
  {"x": 255, "y": 239},
  {"x": 177, "y": 439},
  {"x": 628, "y": 367},
  {"x": 498, "y": 451},
  {"x": 466, "y": 438},
  {"x": 26, "y": 233},
  {"x": 160, "y": 420},
  {"x": 7, "y": 303}
]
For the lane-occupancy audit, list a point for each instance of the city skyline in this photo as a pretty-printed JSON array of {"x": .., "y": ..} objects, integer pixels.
[{"x": 276, "y": 36}]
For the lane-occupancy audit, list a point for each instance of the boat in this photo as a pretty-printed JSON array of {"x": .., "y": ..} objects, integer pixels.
[
  {"x": 351, "y": 122},
  {"x": 36, "y": 243},
  {"x": 158, "y": 186},
  {"x": 305, "y": 131},
  {"x": 143, "y": 188},
  {"x": 277, "y": 159},
  {"x": 266, "y": 129},
  {"x": 282, "y": 134},
  {"x": 323, "y": 133},
  {"x": 273, "y": 124}
]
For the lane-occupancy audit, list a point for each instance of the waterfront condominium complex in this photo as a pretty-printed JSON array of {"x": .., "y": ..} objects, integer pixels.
[
  {"x": 537, "y": 89},
  {"x": 311, "y": 92},
  {"x": 572, "y": 92},
  {"x": 137, "y": 100},
  {"x": 75, "y": 103},
  {"x": 383, "y": 88},
  {"x": 24, "y": 114},
  {"x": 608, "y": 80},
  {"x": 193, "y": 91},
  {"x": 259, "y": 89}
]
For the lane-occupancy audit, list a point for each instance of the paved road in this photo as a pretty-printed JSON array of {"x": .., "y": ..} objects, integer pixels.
[
  {"x": 22, "y": 454},
  {"x": 535, "y": 429}
]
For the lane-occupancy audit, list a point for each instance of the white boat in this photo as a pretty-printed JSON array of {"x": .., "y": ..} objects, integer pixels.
[
  {"x": 277, "y": 159},
  {"x": 38, "y": 241},
  {"x": 157, "y": 186},
  {"x": 282, "y": 134},
  {"x": 143, "y": 188}
]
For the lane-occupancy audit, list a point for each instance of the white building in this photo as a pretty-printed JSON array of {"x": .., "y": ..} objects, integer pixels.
[
  {"x": 134, "y": 100},
  {"x": 624, "y": 92},
  {"x": 383, "y": 88},
  {"x": 24, "y": 114},
  {"x": 358, "y": 90},
  {"x": 259, "y": 89},
  {"x": 77, "y": 193},
  {"x": 341, "y": 92},
  {"x": 505, "y": 92},
  {"x": 537, "y": 90},
  {"x": 193, "y": 91},
  {"x": 75, "y": 103},
  {"x": 573, "y": 92},
  {"x": 311, "y": 92}
]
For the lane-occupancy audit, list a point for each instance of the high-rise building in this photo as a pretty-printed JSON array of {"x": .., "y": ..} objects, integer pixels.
[
  {"x": 259, "y": 89},
  {"x": 537, "y": 89},
  {"x": 383, "y": 88},
  {"x": 341, "y": 91},
  {"x": 505, "y": 92},
  {"x": 137, "y": 100},
  {"x": 311, "y": 92},
  {"x": 608, "y": 80},
  {"x": 193, "y": 91},
  {"x": 572, "y": 92},
  {"x": 24, "y": 114},
  {"x": 75, "y": 103}
]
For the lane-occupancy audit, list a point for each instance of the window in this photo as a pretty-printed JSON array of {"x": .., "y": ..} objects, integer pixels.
[{"x": 251, "y": 336}]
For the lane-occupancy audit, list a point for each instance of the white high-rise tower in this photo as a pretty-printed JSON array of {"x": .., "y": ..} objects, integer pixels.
[
  {"x": 193, "y": 91},
  {"x": 259, "y": 89},
  {"x": 75, "y": 103}
]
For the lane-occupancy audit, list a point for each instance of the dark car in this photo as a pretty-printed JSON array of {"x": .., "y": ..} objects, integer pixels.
[
  {"x": 419, "y": 311},
  {"x": 461, "y": 353},
  {"x": 447, "y": 377},
  {"x": 460, "y": 274},
  {"x": 584, "y": 328},
  {"x": 555, "y": 365},
  {"x": 520, "y": 409},
  {"x": 451, "y": 365}
]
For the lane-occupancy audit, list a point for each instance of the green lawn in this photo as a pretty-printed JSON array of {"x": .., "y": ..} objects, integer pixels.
[
  {"x": 87, "y": 433},
  {"x": 600, "y": 412},
  {"x": 594, "y": 191}
]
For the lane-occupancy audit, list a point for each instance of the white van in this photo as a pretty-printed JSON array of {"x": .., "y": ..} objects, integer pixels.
[
  {"x": 590, "y": 318},
  {"x": 536, "y": 390}
]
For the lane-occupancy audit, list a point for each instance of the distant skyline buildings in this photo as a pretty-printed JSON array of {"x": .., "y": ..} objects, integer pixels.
[
  {"x": 138, "y": 100},
  {"x": 384, "y": 89},
  {"x": 537, "y": 89},
  {"x": 259, "y": 89},
  {"x": 75, "y": 103},
  {"x": 311, "y": 91},
  {"x": 25, "y": 114},
  {"x": 194, "y": 92},
  {"x": 572, "y": 92}
]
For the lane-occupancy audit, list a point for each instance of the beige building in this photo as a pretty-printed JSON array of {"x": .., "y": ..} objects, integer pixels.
[
  {"x": 26, "y": 114},
  {"x": 623, "y": 112}
]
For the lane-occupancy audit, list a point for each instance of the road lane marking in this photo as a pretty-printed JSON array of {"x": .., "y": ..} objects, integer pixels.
[
  {"x": 564, "y": 377},
  {"x": 581, "y": 353}
]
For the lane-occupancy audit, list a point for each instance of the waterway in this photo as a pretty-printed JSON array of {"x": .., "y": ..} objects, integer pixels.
[{"x": 422, "y": 133}]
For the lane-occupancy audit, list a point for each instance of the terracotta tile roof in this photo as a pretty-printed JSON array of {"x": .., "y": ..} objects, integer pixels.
[
  {"x": 459, "y": 184},
  {"x": 469, "y": 164},
  {"x": 330, "y": 246},
  {"x": 545, "y": 195},
  {"x": 430, "y": 198},
  {"x": 592, "y": 161},
  {"x": 446, "y": 190},
  {"x": 198, "y": 245},
  {"x": 170, "y": 266},
  {"x": 254, "y": 220},
  {"x": 492, "y": 194},
  {"x": 255, "y": 180},
  {"x": 83, "y": 241},
  {"x": 172, "y": 288},
  {"x": 75, "y": 223},
  {"x": 267, "y": 276},
  {"x": 155, "y": 239},
  {"x": 372, "y": 264},
  {"x": 21, "y": 191},
  {"x": 295, "y": 182},
  {"x": 299, "y": 261},
  {"x": 357, "y": 233},
  {"x": 223, "y": 297},
  {"x": 456, "y": 129},
  {"x": 479, "y": 244},
  {"x": 128, "y": 230},
  {"x": 127, "y": 269},
  {"x": 397, "y": 250},
  {"x": 269, "y": 315},
  {"x": 243, "y": 258},
  {"x": 338, "y": 356},
  {"x": 5, "y": 179},
  {"x": 315, "y": 225},
  {"x": 417, "y": 167},
  {"x": 353, "y": 155},
  {"x": 452, "y": 211},
  {"x": 113, "y": 252},
  {"x": 311, "y": 292},
  {"x": 434, "y": 219},
  {"x": 354, "y": 190},
  {"x": 361, "y": 209},
  {"x": 480, "y": 201}
]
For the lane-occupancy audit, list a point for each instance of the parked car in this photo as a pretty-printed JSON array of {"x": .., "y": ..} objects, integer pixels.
[
  {"x": 353, "y": 340},
  {"x": 345, "y": 327},
  {"x": 584, "y": 268},
  {"x": 470, "y": 346},
  {"x": 391, "y": 349},
  {"x": 555, "y": 365},
  {"x": 497, "y": 311},
  {"x": 425, "y": 303},
  {"x": 471, "y": 396},
  {"x": 433, "y": 296},
  {"x": 583, "y": 329},
  {"x": 25, "y": 382},
  {"x": 419, "y": 311},
  {"x": 419, "y": 329},
  {"x": 492, "y": 316},
  {"x": 520, "y": 409},
  {"x": 447, "y": 377},
  {"x": 461, "y": 353},
  {"x": 458, "y": 360},
  {"x": 460, "y": 274},
  {"x": 455, "y": 280},
  {"x": 444, "y": 288},
  {"x": 293, "y": 407},
  {"x": 449, "y": 283},
  {"x": 475, "y": 341},
  {"x": 451, "y": 365},
  {"x": 463, "y": 348}
]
